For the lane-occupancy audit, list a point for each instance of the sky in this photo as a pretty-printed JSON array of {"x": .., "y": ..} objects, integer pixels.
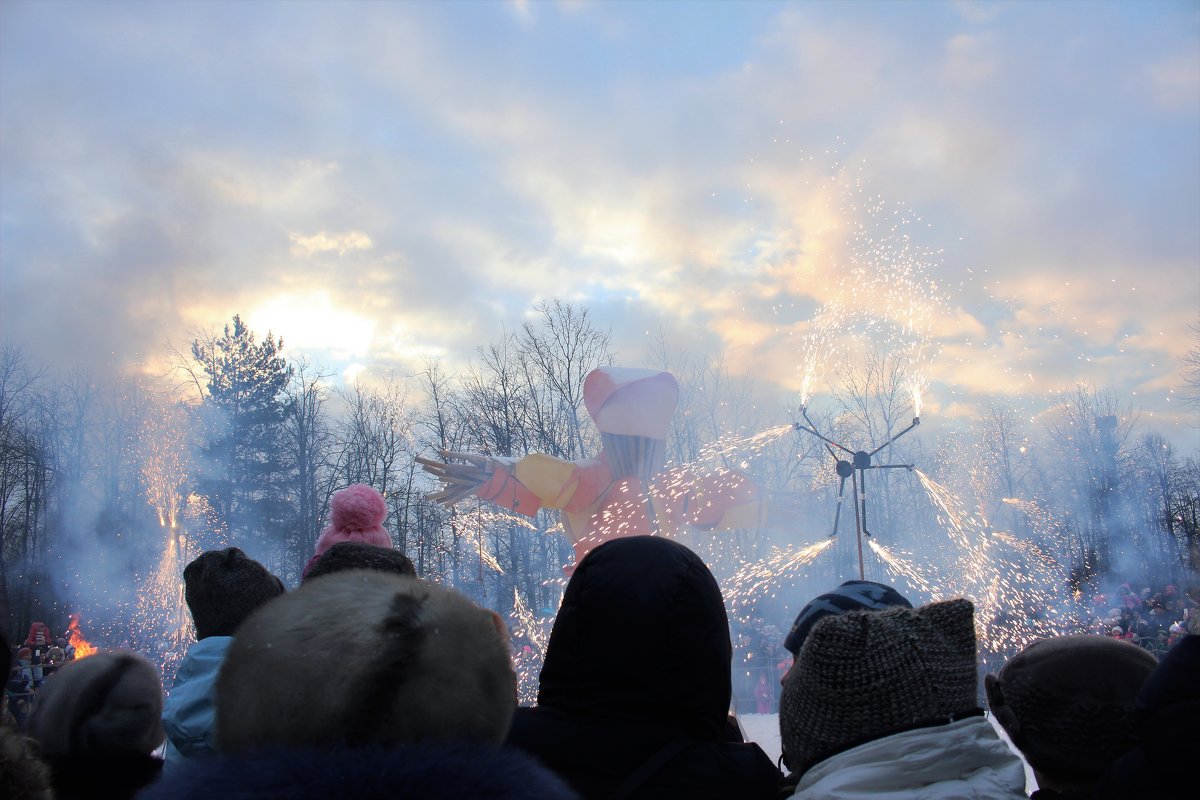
[{"x": 1015, "y": 186}]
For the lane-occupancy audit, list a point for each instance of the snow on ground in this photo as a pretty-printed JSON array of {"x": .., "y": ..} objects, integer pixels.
[{"x": 763, "y": 729}]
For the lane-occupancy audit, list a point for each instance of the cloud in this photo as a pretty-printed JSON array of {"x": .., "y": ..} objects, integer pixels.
[
  {"x": 1174, "y": 81},
  {"x": 403, "y": 186},
  {"x": 322, "y": 242}
]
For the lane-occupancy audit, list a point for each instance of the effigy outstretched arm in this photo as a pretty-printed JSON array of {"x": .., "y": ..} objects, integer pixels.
[{"x": 524, "y": 485}]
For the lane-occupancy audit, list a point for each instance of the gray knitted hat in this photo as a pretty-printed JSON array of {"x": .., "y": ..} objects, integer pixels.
[
  {"x": 222, "y": 587},
  {"x": 1068, "y": 703},
  {"x": 863, "y": 675},
  {"x": 106, "y": 705}
]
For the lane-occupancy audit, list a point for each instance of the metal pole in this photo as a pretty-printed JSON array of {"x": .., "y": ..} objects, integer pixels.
[{"x": 862, "y": 571}]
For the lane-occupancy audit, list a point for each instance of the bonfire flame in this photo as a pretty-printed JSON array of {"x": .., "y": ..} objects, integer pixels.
[{"x": 83, "y": 648}]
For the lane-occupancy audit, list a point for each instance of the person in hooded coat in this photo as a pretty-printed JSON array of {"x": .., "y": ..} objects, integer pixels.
[
  {"x": 633, "y": 698},
  {"x": 1165, "y": 727}
]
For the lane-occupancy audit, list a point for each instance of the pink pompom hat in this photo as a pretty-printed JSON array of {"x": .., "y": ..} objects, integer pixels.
[{"x": 357, "y": 513}]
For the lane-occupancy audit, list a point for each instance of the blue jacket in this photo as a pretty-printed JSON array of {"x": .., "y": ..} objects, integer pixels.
[{"x": 189, "y": 714}]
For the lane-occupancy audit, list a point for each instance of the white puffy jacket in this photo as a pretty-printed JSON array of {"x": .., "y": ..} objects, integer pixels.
[{"x": 963, "y": 760}]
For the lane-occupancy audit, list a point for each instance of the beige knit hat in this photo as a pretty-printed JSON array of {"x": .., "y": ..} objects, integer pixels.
[
  {"x": 367, "y": 658},
  {"x": 863, "y": 675},
  {"x": 1068, "y": 702},
  {"x": 105, "y": 706}
]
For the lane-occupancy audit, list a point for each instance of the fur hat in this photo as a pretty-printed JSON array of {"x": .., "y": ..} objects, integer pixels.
[
  {"x": 356, "y": 555},
  {"x": 1068, "y": 702},
  {"x": 365, "y": 657},
  {"x": 850, "y": 596},
  {"x": 863, "y": 675},
  {"x": 631, "y": 402},
  {"x": 222, "y": 587},
  {"x": 106, "y": 705},
  {"x": 356, "y": 515}
]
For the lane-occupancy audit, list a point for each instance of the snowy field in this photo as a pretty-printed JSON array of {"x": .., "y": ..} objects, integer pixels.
[{"x": 763, "y": 729}]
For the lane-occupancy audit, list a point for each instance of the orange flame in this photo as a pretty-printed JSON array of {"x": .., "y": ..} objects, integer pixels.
[{"x": 83, "y": 648}]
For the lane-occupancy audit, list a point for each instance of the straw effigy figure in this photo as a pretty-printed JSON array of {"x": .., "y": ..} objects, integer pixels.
[{"x": 625, "y": 489}]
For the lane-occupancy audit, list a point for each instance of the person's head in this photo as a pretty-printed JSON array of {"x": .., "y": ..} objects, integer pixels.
[
  {"x": 1067, "y": 703},
  {"x": 863, "y": 675},
  {"x": 222, "y": 588},
  {"x": 850, "y": 596},
  {"x": 366, "y": 658},
  {"x": 356, "y": 514},
  {"x": 358, "y": 555},
  {"x": 105, "y": 705},
  {"x": 635, "y": 609}
]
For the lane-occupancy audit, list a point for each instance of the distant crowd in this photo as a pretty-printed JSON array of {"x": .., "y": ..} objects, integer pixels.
[
  {"x": 368, "y": 682},
  {"x": 1155, "y": 618},
  {"x": 33, "y": 662}
]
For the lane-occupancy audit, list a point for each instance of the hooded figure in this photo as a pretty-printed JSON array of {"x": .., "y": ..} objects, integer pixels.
[
  {"x": 1165, "y": 731},
  {"x": 633, "y": 699},
  {"x": 365, "y": 684},
  {"x": 624, "y": 490}
]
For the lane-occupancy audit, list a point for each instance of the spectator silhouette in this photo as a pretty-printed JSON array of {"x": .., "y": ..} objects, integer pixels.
[
  {"x": 97, "y": 722},
  {"x": 359, "y": 555},
  {"x": 356, "y": 514},
  {"x": 1067, "y": 704},
  {"x": 634, "y": 694},
  {"x": 1165, "y": 729},
  {"x": 368, "y": 685},
  {"x": 882, "y": 704},
  {"x": 222, "y": 588}
]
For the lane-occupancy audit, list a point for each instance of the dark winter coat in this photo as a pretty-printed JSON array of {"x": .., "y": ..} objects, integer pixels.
[
  {"x": 112, "y": 777},
  {"x": 1167, "y": 711},
  {"x": 458, "y": 771},
  {"x": 637, "y": 677}
]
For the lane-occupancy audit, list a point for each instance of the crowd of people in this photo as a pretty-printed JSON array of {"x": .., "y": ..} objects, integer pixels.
[
  {"x": 369, "y": 682},
  {"x": 33, "y": 662},
  {"x": 1154, "y": 618}
]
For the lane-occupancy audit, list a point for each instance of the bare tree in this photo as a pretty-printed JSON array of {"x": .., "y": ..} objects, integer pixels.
[
  {"x": 307, "y": 440},
  {"x": 556, "y": 355}
]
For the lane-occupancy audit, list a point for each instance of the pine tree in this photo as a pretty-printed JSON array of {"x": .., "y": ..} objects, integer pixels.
[{"x": 244, "y": 475}]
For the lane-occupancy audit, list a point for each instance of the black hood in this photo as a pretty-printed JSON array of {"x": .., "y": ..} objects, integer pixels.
[{"x": 641, "y": 635}]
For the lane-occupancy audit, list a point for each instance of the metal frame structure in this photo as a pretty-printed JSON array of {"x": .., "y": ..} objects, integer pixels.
[{"x": 856, "y": 470}]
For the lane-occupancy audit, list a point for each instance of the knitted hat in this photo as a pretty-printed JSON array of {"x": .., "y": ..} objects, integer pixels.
[
  {"x": 631, "y": 402},
  {"x": 863, "y": 675},
  {"x": 222, "y": 587},
  {"x": 356, "y": 515},
  {"x": 1067, "y": 703},
  {"x": 850, "y": 596},
  {"x": 106, "y": 705},
  {"x": 356, "y": 555},
  {"x": 366, "y": 658}
]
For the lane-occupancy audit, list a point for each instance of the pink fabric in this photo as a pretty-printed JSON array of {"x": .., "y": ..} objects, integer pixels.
[
  {"x": 631, "y": 402},
  {"x": 357, "y": 514}
]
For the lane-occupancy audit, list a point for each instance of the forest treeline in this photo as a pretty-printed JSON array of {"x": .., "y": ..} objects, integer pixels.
[{"x": 243, "y": 445}]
